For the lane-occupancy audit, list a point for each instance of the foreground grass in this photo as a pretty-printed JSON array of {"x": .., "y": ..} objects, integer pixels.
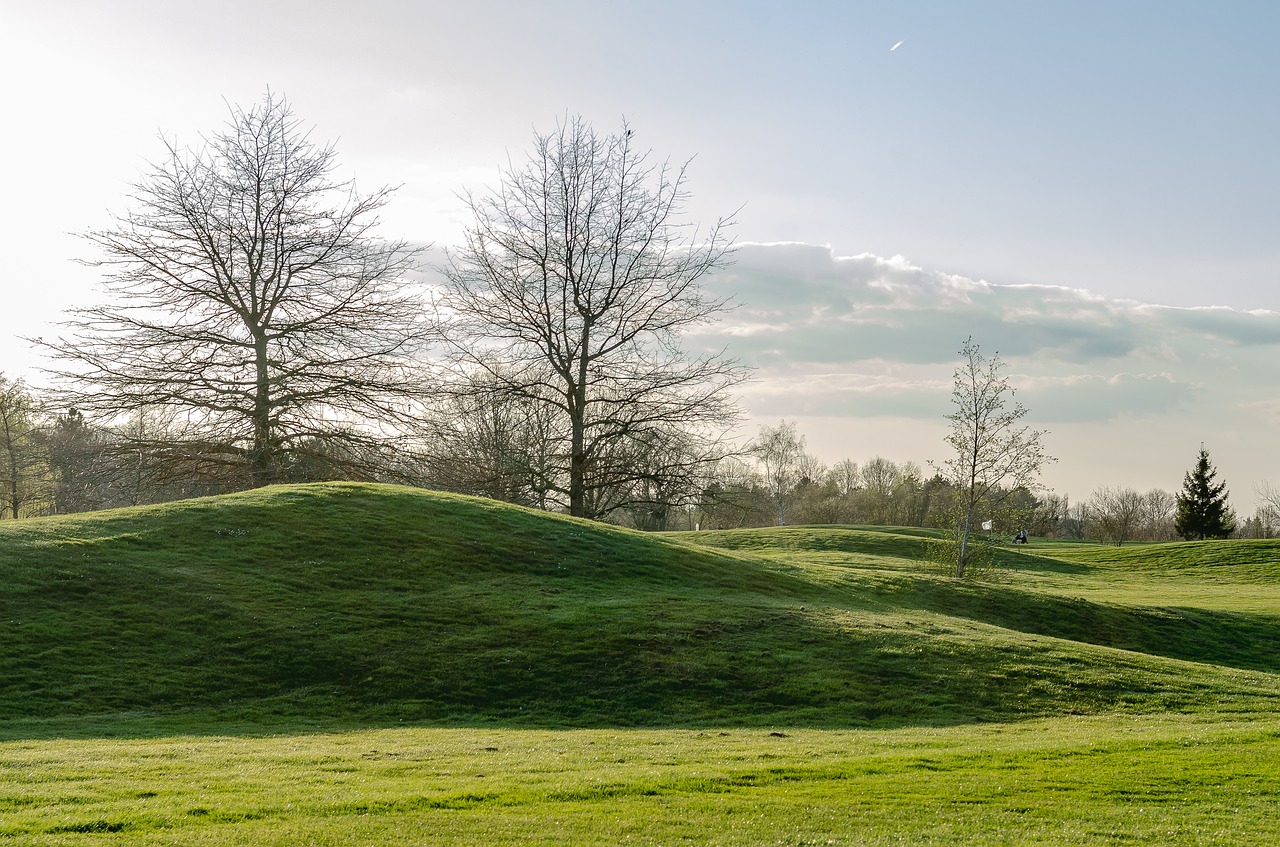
[{"x": 1106, "y": 780}]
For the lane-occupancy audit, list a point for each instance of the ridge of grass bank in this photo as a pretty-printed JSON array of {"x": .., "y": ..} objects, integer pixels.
[
  {"x": 1239, "y": 559},
  {"x": 370, "y": 604}
]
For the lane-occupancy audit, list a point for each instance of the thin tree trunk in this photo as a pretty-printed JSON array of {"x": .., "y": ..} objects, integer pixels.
[
  {"x": 963, "y": 558},
  {"x": 578, "y": 425},
  {"x": 262, "y": 465}
]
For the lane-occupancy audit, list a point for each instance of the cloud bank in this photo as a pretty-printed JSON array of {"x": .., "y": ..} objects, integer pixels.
[
  {"x": 869, "y": 336},
  {"x": 861, "y": 349}
]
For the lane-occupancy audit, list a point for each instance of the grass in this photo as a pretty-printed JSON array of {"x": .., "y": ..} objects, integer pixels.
[
  {"x": 351, "y": 664},
  {"x": 1056, "y": 781}
]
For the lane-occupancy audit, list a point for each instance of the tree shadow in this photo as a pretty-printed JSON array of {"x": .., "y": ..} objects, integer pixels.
[{"x": 1247, "y": 641}]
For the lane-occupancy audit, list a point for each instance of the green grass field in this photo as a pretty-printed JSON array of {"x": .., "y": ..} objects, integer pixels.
[{"x": 358, "y": 664}]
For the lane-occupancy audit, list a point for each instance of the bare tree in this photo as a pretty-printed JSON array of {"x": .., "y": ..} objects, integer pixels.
[
  {"x": 994, "y": 453},
  {"x": 152, "y": 455},
  {"x": 780, "y": 450},
  {"x": 573, "y": 287},
  {"x": 732, "y": 497},
  {"x": 880, "y": 477},
  {"x": 847, "y": 476},
  {"x": 1050, "y": 515},
  {"x": 487, "y": 443},
  {"x": 251, "y": 297},
  {"x": 1116, "y": 514},
  {"x": 1075, "y": 520},
  {"x": 24, "y": 471},
  {"x": 667, "y": 485},
  {"x": 1158, "y": 508},
  {"x": 1268, "y": 509},
  {"x": 811, "y": 470},
  {"x": 911, "y": 496},
  {"x": 74, "y": 449}
]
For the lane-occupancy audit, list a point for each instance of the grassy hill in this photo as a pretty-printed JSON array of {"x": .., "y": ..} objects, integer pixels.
[{"x": 366, "y": 603}]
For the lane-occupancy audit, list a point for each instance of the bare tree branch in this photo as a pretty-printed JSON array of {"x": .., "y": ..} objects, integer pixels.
[
  {"x": 250, "y": 296},
  {"x": 570, "y": 293}
]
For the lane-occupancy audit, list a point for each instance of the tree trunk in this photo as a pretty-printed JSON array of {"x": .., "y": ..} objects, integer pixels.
[
  {"x": 962, "y": 559},
  {"x": 578, "y": 428},
  {"x": 578, "y": 451},
  {"x": 262, "y": 469},
  {"x": 971, "y": 504}
]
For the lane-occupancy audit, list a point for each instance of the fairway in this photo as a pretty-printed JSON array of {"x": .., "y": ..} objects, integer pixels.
[
  {"x": 1157, "y": 780},
  {"x": 349, "y": 665}
]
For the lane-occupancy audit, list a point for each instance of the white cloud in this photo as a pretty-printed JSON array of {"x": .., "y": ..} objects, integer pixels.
[
  {"x": 1266, "y": 411},
  {"x": 803, "y": 309},
  {"x": 821, "y": 307}
]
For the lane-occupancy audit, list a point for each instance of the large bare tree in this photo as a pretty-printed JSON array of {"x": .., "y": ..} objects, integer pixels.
[
  {"x": 249, "y": 295},
  {"x": 571, "y": 291}
]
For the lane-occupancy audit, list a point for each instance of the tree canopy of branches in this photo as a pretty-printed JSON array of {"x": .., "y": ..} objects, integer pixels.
[
  {"x": 1266, "y": 518},
  {"x": 780, "y": 450},
  {"x": 489, "y": 445},
  {"x": 994, "y": 453},
  {"x": 572, "y": 289},
  {"x": 23, "y": 462},
  {"x": 252, "y": 301},
  {"x": 74, "y": 449},
  {"x": 1202, "y": 504},
  {"x": 1115, "y": 514}
]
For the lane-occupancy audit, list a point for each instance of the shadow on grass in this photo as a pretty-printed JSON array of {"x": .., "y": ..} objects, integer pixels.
[
  {"x": 779, "y": 667},
  {"x": 1043, "y": 561},
  {"x": 1229, "y": 639},
  {"x": 909, "y": 544}
]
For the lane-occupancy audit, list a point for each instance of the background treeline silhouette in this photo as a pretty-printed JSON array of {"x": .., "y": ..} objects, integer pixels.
[{"x": 55, "y": 462}]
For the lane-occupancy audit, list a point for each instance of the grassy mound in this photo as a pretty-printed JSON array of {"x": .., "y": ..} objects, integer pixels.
[{"x": 368, "y": 603}]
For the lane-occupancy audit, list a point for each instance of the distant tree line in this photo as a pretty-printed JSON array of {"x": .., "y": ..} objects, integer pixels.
[
  {"x": 1198, "y": 511},
  {"x": 58, "y": 463}
]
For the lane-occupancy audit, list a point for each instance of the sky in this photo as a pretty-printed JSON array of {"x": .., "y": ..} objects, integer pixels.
[{"x": 1089, "y": 189}]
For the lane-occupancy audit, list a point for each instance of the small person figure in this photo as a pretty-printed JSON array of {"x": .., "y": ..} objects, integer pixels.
[{"x": 1021, "y": 537}]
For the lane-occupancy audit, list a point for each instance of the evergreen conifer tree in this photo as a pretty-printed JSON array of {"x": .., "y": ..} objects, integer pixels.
[{"x": 1202, "y": 505}]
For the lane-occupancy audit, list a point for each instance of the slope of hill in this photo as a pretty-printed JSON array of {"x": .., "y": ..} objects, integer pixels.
[{"x": 376, "y": 603}]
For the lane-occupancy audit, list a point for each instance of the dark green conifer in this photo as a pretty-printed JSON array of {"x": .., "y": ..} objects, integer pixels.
[{"x": 1202, "y": 505}]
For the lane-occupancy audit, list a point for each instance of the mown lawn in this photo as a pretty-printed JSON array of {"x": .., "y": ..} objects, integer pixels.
[{"x": 1100, "y": 780}]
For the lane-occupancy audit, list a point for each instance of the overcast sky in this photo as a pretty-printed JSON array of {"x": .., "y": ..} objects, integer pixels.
[{"x": 1089, "y": 188}]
